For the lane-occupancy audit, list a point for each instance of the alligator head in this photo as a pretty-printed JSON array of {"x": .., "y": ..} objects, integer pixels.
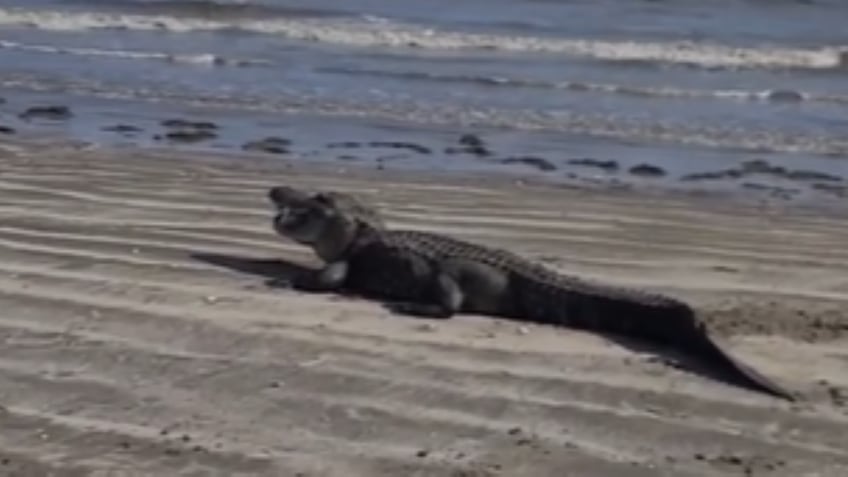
[{"x": 326, "y": 221}]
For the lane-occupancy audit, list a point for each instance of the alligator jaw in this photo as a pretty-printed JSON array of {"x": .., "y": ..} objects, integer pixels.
[
  {"x": 284, "y": 216},
  {"x": 282, "y": 219}
]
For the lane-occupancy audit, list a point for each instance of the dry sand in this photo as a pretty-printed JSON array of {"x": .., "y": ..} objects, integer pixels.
[{"x": 138, "y": 336}]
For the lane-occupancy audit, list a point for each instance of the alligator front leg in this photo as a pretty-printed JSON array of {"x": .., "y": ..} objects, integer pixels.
[
  {"x": 442, "y": 302},
  {"x": 328, "y": 279}
]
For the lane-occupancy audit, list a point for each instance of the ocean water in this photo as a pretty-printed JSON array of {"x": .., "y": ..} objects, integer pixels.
[{"x": 689, "y": 86}]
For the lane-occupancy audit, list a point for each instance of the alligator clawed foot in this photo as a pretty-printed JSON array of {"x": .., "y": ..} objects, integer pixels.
[
  {"x": 419, "y": 310},
  {"x": 279, "y": 282}
]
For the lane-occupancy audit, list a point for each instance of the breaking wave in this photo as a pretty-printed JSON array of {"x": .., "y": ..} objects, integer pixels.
[
  {"x": 211, "y": 9},
  {"x": 777, "y": 95},
  {"x": 207, "y": 59},
  {"x": 370, "y": 32}
]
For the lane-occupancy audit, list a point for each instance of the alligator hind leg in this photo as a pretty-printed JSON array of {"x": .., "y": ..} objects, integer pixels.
[{"x": 443, "y": 300}]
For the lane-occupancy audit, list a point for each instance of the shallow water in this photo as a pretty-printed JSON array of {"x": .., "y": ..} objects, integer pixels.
[{"x": 689, "y": 86}]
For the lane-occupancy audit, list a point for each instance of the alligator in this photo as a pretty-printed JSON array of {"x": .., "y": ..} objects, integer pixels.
[{"x": 436, "y": 276}]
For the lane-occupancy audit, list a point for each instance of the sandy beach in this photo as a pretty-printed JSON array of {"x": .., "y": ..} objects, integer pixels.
[{"x": 138, "y": 335}]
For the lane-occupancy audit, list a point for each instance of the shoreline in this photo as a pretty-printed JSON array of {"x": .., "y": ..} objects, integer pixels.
[
  {"x": 139, "y": 331},
  {"x": 348, "y": 142},
  {"x": 718, "y": 199}
]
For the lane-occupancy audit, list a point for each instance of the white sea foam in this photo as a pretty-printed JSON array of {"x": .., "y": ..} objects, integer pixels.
[
  {"x": 389, "y": 34},
  {"x": 197, "y": 59}
]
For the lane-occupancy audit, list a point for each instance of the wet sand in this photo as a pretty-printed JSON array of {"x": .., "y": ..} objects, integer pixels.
[{"x": 139, "y": 335}]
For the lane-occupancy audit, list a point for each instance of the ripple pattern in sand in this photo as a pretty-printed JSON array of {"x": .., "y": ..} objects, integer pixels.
[{"x": 120, "y": 349}]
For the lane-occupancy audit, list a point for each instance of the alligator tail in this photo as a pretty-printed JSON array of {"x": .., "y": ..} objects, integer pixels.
[
  {"x": 668, "y": 322},
  {"x": 650, "y": 318},
  {"x": 733, "y": 371}
]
